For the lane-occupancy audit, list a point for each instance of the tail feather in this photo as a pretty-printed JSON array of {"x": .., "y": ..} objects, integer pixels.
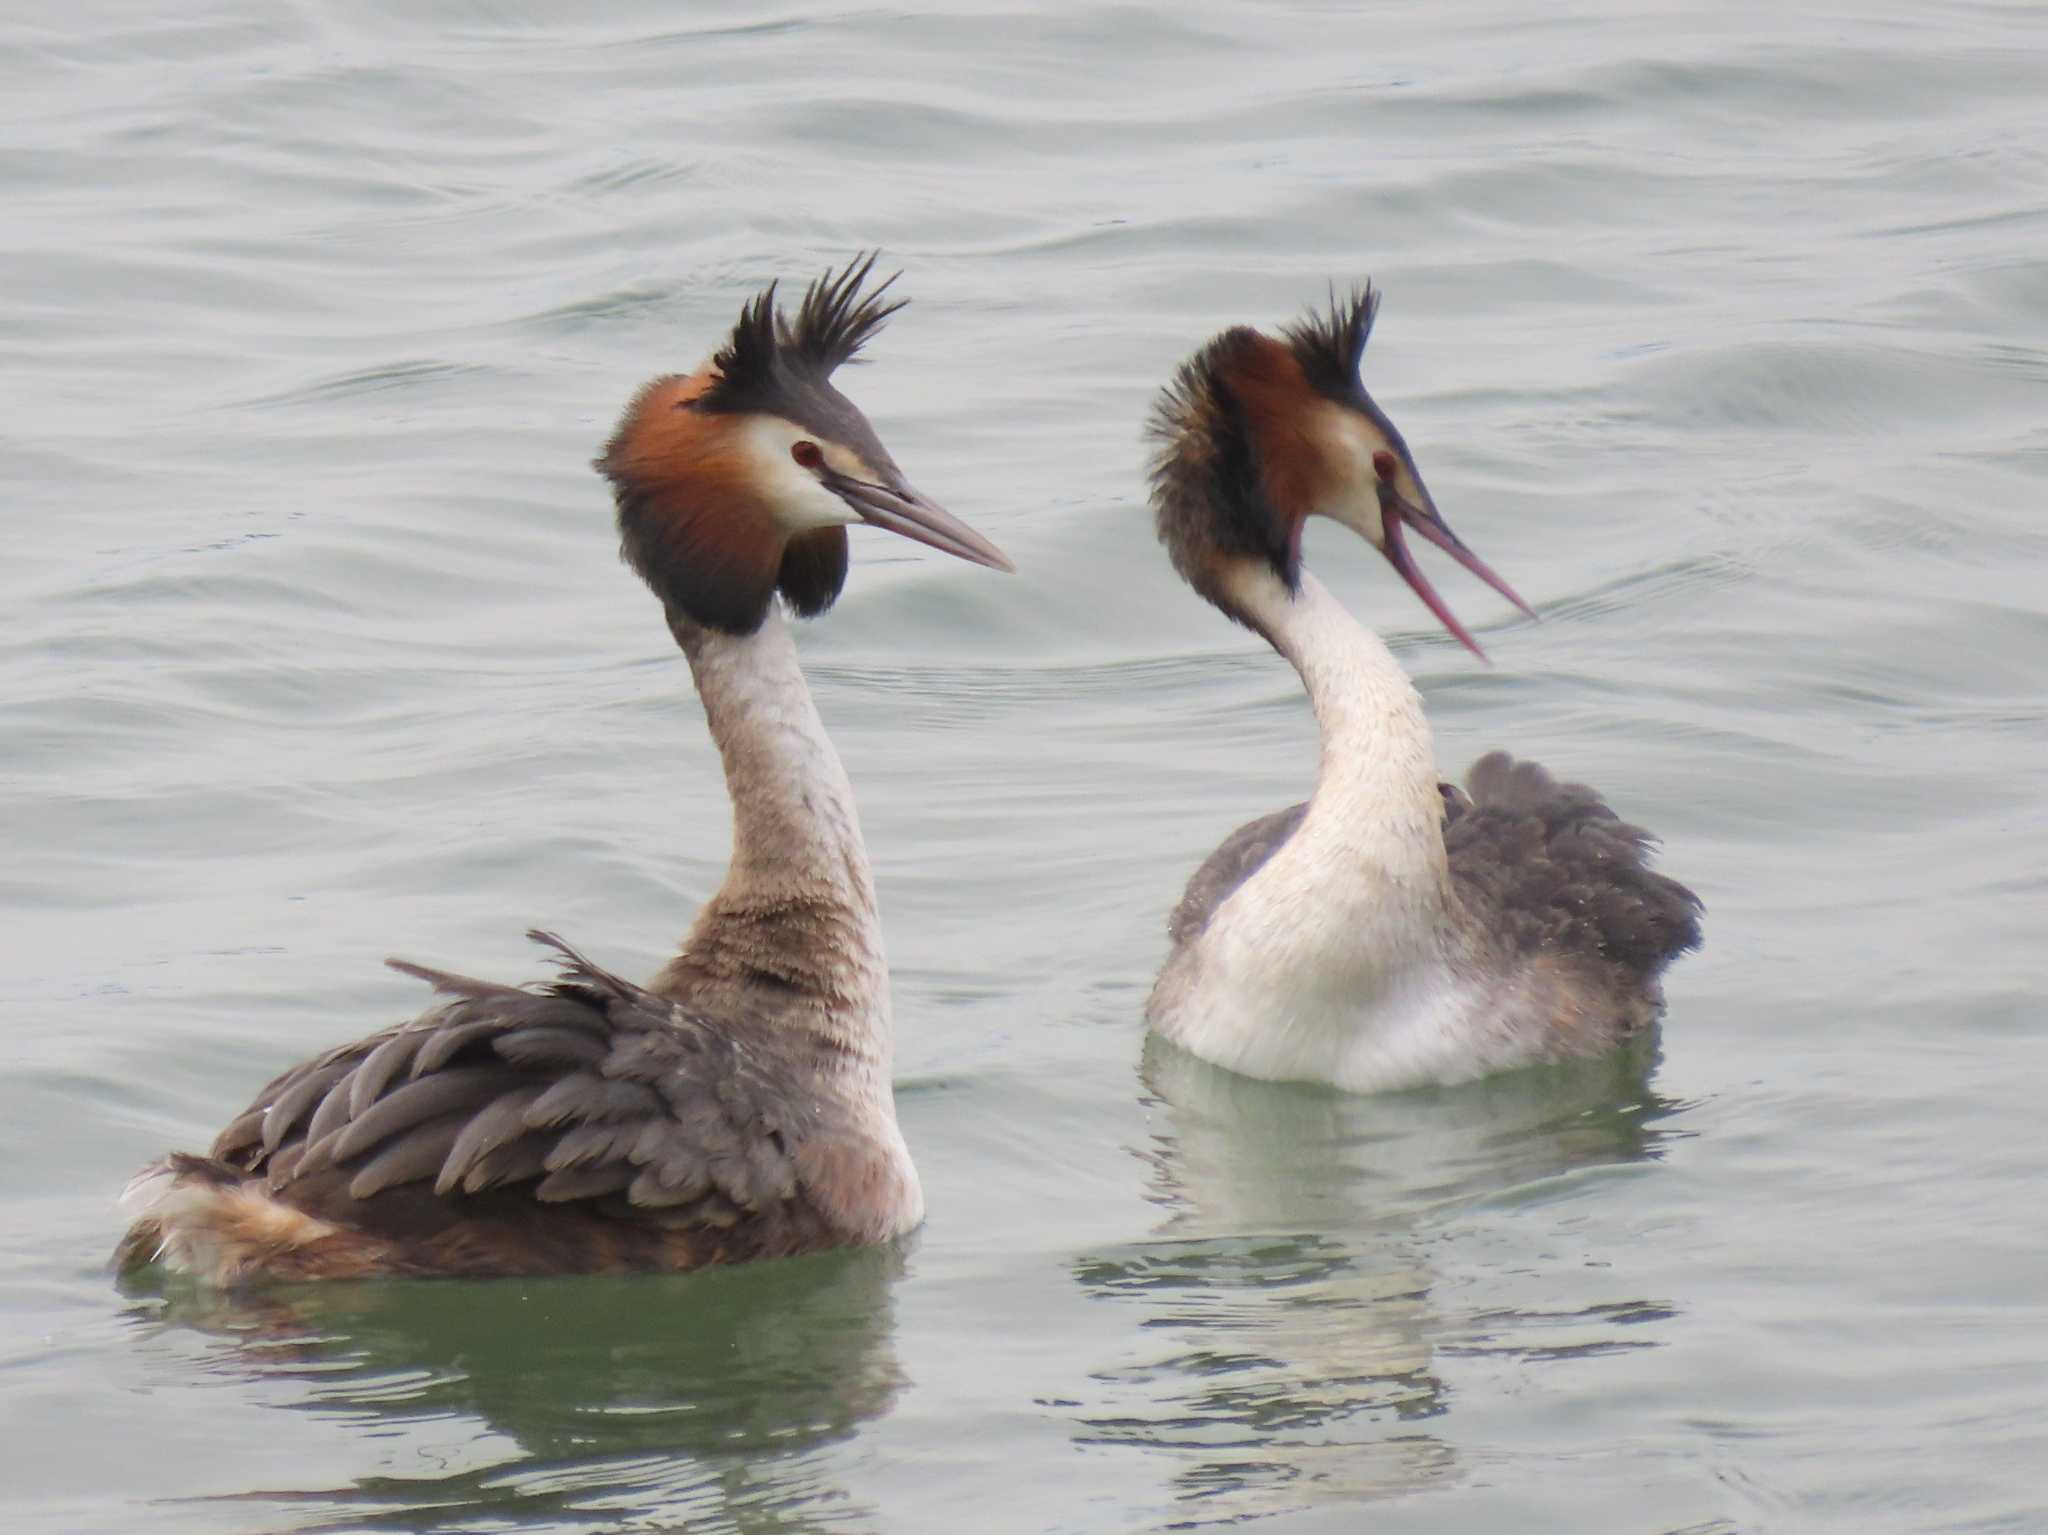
[{"x": 205, "y": 1218}]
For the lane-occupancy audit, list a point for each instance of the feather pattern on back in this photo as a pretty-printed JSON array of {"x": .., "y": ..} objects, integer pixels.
[
  {"x": 579, "y": 1125},
  {"x": 1547, "y": 868}
]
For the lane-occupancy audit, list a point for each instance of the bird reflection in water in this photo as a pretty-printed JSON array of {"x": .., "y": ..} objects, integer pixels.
[
  {"x": 1291, "y": 1349},
  {"x": 706, "y": 1400}
]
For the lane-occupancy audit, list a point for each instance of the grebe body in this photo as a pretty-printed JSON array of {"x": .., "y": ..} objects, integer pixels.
[
  {"x": 1393, "y": 930},
  {"x": 740, "y": 1105}
]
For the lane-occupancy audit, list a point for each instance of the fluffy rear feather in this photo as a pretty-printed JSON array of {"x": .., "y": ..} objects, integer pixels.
[{"x": 1547, "y": 868}]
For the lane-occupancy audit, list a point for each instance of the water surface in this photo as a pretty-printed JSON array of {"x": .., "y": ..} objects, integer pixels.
[{"x": 1721, "y": 332}]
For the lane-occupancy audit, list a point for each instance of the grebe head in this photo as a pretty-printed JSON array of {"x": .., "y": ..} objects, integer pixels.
[
  {"x": 1257, "y": 434},
  {"x": 739, "y": 480}
]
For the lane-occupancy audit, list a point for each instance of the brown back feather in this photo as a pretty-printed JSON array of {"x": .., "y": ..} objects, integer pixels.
[
  {"x": 580, "y": 1125},
  {"x": 1548, "y": 868}
]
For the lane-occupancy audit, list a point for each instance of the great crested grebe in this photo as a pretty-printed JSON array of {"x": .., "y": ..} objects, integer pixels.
[
  {"x": 1393, "y": 930},
  {"x": 740, "y": 1105}
]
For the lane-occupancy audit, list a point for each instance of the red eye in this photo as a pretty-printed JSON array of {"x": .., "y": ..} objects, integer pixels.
[
  {"x": 809, "y": 454},
  {"x": 1383, "y": 464}
]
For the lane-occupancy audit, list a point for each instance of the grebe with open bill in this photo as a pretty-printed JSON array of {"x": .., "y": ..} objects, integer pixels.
[{"x": 1392, "y": 930}]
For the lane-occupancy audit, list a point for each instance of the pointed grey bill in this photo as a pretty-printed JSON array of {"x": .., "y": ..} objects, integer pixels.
[{"x": 899, "y": 509}]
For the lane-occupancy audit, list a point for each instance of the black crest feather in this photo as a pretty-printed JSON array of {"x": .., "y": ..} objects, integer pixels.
[
  {"x": 768, "y": 356},
  {"x": 836, "y": 319},
  {"x": 1330, "y": 345}
]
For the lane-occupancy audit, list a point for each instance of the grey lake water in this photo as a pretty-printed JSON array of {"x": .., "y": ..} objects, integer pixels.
[{"x": 1721, "y": 331}]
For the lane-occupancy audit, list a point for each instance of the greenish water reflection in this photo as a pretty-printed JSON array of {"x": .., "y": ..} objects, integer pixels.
[
  {"x": 1287, "y": 1341},
  {"x": 704, "y": 1392}
]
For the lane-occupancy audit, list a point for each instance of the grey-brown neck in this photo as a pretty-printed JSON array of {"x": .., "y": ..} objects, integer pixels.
[{"x": 792, "y": 942}]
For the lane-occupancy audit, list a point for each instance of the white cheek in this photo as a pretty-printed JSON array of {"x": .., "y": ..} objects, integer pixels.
[
  {"x": 800, "y": 503},
  {"x": 1358, "y": 507},
  {"x": 1355, "y": 500}
]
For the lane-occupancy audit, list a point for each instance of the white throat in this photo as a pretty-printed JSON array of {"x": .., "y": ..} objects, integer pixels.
[
  {"x": 1333, "y": 961},
  {"x": 1365, "y": 875}
]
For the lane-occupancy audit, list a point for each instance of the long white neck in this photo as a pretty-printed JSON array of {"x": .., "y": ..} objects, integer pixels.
[
  {"x": 792, "y": 936},
  {"x": 1337, "y": 959},
  {"x": 1367, "y": 868}
]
